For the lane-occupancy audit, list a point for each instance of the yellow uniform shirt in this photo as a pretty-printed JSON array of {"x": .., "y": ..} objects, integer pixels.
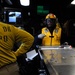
[
  {"x": 55, "y": 41},
  {"x": 10, "y": 34}
]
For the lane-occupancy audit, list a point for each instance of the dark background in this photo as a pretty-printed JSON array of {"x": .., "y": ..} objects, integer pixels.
[{"x": 61, "y": 8}]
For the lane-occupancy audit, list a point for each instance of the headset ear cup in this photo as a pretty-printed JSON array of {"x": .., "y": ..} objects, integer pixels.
[{"x": 45, "y": 21}]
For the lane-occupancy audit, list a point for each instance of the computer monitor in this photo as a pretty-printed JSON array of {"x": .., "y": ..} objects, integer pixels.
[{"x": 14, "y": 17}]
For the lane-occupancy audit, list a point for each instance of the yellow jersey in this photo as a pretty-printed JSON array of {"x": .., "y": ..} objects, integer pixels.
[
  {"x": 55, "y": 40},
  {"x": 9, "y": 34}
]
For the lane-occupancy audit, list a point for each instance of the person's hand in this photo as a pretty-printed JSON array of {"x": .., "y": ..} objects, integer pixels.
[{"x": 40, "y": 36}]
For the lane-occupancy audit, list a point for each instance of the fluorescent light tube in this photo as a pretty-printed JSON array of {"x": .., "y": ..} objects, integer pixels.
[
  {"x": 25, "y": 2},
  {"x": 73, "y": 2}
]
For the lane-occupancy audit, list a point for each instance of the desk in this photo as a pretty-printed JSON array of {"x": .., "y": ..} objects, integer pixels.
[{"x": 59, "y": 61}]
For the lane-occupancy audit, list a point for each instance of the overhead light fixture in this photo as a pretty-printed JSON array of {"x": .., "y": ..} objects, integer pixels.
[
  {"x": 25, "y": 2},
  {"x": 73, "y": 2}
]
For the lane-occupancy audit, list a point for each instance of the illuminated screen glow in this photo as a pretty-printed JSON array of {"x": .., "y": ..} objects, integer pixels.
[{"x": 13, "y": 16}]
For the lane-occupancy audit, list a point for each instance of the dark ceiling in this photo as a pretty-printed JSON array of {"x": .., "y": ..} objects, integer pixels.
[
  {"x": 51, "y": 3},
  {"x": 63, "y": 3},
  {"x": 62, "y": 8}
]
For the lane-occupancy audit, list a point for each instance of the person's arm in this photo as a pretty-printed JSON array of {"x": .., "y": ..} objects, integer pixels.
[
  {"x": 37, "y": 39},
  {"x": 26, "y": 40}
]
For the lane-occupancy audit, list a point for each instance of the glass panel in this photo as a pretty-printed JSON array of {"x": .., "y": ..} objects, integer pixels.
[{"x": 62, "y": 60}]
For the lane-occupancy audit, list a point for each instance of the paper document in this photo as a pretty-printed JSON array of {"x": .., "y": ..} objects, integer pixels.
[{"x": 31, "y": 54}]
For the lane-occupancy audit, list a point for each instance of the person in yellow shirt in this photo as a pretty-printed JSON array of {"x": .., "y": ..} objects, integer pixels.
[
  {"x": 52, "y": 34},
  {"x": 9, "y": 35}
]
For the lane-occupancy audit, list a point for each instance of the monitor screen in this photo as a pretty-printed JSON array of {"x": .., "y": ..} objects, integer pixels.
[{"x": 14, "y": 16}]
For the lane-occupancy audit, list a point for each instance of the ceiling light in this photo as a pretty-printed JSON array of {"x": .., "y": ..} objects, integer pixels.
[
  {"x": 25, "y": 2},
  {"x": 73, "y": 2}
]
